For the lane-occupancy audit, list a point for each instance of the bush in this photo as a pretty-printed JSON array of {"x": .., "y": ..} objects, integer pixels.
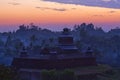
[
  {"x": 55, "y": 75},
  {"x": 67, "y": 75},
  {"x": 7, "y": 73}
]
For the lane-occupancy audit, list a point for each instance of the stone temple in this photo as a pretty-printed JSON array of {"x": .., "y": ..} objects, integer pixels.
[{"x": 65, "y": 55}]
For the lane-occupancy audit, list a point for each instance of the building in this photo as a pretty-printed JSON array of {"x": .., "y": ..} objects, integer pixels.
[{"x": 65, "y": 55}]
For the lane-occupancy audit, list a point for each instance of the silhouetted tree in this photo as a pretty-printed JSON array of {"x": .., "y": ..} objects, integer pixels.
[
  {"x": 83, "y": 33},
  {"x": 8, "y": 41},
  {"x": 22, "y": 27},
  {"x": 43, "y": 43},
  {"x": 56, "y": 75},
  {"x": 18, "y": 46},
  {"x": 7, "y": 73},
  {"x": 33, "y": 39},
  {"x": 1, "y": 43},
  {"x": 90, "y": 26},
  {"x": 83, "y": 25},
  {"x": 33, "y": 27},
  {"x": 67, "y": 74}
]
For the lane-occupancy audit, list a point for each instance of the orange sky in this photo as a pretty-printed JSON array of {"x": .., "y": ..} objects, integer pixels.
[{"x": 24, "y": 11}]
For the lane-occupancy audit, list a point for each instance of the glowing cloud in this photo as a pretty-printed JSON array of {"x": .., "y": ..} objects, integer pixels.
[
  {"x": 56, "y": 9},
  {"x": 99, "y": 3}
]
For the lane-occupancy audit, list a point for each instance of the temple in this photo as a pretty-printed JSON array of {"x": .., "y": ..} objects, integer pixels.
[
  {"x": 66, "y": 43},
  {"x": 65, "y": 55}
]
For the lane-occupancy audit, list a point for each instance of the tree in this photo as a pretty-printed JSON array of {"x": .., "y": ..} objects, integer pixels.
[
  {"x": 33, "y": 27},
  {"x": 83, "y": 33},
  {"x": 8, "y": 41},
  {"x": 43, "y": 43},
  {"x": 1, "y": 43},
  {"x": 49, "y": 75},
  {"x": 66, "y": 31},
  {"x": 53, "y": 75},
  {"x": 83, "y": 25},
  {"x": 67, "y": 74},
  {"x": 18, "y": 46},
  {"x": 22, "y": 27},
  {"x": 33, "y": 39},
  {"x": 90, "y": 26},
  {"x": 51, "y": 40},
  {"x": 8, "y": 73},
  {"x": 79, "y": 44}
]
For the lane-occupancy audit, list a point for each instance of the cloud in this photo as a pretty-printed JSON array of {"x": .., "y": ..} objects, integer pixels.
[
  {"x": 98, "y": 3},
  {"x": 107, "y": 0},
  {"x": 73, "y": 8},
  {"x": 56, "y": 9},
  {"x": 98, "y": 15},
  {"x": 14, "y": 3},
  {"x": 112, "y": 11}
]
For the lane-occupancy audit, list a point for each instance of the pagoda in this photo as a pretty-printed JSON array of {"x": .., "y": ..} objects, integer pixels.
[
  {"x": 66, "y": 42},
  {"x": 65, "y": 55}
]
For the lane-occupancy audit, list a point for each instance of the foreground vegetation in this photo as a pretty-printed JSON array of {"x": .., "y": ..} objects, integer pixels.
[
  {"x": 110, "y": 75},
  {"x": 103, "y": 73},
  {"x": 8, "y": 73},
  {"x": 57, "y": 75}
]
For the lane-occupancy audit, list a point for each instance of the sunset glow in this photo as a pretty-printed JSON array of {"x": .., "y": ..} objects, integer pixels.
[{"x": 16, "y": 12}]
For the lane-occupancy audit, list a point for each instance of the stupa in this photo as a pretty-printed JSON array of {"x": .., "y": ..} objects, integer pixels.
[{"x": 66, "y": 55}]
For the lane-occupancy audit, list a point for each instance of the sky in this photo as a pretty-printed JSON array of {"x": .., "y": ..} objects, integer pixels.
[{"x": 57, "y": 14}]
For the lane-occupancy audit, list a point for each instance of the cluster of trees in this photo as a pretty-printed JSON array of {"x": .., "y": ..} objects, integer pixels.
[
  {"x": 105, "y": 44},
  {"x": 86, "y": 35},
  {"x": 58, "y": 75},
  {"x": 8, "y": 73},
  {"x": 97, "y": 38}
]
